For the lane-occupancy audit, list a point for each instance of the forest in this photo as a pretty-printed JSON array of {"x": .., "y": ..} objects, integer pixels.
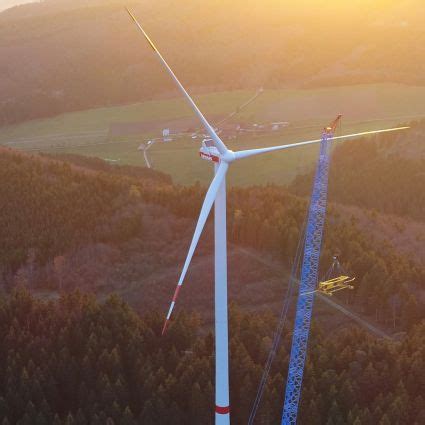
[
  {"x": 47, "y": 208},
  {"x": 79, "y": 201},
  {"x": 52, "y": 208},
  {"x": 385, "y": 174},
  {"x": 77, "y": 361}
]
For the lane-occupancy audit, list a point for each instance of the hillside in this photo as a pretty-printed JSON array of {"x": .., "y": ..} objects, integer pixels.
[
  {"x": 50, "y": 207},
  {"x": 6, "y": 4},
  {"x": 126, "y": 231},
  {"x": 79, "y": 54},
  {"x": 386, "y": 174},
  {"x": 91, "y": 357}
]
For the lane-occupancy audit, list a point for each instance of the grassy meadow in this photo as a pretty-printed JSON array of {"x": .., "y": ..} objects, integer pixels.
[{"x": 365, "y": 107}]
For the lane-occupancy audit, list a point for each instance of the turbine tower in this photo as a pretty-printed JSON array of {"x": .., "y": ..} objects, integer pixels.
[{"x": 215, "y": 150}]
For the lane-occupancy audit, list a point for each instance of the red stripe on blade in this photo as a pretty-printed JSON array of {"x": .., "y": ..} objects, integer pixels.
[
  {"x": 176, "y": 293},
  {"x": 164, "y": 329}
]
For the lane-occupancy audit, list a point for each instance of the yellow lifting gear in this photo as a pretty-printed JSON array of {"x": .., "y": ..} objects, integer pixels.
[{"x": 329, "y": 286}]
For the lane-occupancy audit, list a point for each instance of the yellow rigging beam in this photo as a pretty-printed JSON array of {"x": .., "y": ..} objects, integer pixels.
[{"x": 330, "y": 286}]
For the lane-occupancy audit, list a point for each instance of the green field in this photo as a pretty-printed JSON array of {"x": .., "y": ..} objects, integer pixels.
[{"x": 365, "y": 107}]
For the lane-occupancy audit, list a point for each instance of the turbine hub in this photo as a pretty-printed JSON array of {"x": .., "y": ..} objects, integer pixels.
[{"x": 228, "y": 157}]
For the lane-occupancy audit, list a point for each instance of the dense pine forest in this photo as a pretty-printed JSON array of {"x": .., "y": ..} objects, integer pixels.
[
  {"x": 93, "y": 359},
  {"x": 48, "y": 207},
  {"x": 75, "y": 361}
]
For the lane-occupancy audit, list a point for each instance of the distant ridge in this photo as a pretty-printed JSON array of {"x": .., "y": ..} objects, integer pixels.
[
  {"x": 81, "y": 54},
  {"x": 6, "y": 4}
]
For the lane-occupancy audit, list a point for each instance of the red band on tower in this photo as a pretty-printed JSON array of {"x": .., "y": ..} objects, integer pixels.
[{"x": 222, "y": 410}]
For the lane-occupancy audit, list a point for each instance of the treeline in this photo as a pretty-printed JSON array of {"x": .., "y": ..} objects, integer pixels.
[
  {"x": 386, "y": 173},
  {"x": 75, "y": 361},
  {"x": 100, "y": 165}
]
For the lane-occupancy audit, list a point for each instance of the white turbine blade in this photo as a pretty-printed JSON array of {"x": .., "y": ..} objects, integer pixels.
[
  {"x": 205, "y": 211},
  {"x": 252, "y": 152},
  {"x": 210, "y": 130}
]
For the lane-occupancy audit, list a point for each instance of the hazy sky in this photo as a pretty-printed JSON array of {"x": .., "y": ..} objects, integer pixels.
[{"x": 5, "y": 4}]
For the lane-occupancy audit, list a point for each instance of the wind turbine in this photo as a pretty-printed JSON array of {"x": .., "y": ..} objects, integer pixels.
[{"x": 216, "y": 151}]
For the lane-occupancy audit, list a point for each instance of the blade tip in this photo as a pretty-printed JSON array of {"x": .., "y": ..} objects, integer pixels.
[
  {"x": 164, "y": 328},
  {"x": 133, "y": 18}
]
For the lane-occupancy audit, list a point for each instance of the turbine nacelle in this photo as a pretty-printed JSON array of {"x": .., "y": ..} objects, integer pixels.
[{"x": 209, "y": 152}]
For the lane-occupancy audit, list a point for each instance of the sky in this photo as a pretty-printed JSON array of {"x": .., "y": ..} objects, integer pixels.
[{"x": 5, "y": 4}]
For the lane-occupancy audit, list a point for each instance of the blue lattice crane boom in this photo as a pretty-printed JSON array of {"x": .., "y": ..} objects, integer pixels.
[
  {"x": 309, "y": 277},
  {"x": 309, "y": 250}
]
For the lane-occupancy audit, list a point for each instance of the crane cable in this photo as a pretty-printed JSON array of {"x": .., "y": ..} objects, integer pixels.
[
  {"x": 280, "y": 325},
  {"x": 335, "y": 266}
]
